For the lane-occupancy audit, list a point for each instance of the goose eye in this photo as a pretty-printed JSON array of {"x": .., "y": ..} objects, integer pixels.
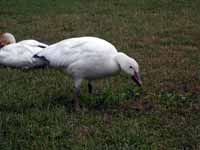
[{"x": 131, "y": 67}]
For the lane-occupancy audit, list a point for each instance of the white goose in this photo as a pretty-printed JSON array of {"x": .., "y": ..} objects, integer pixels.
[
  {"x": 19, "y": 54},
  {"x": 88, "y": 58}
]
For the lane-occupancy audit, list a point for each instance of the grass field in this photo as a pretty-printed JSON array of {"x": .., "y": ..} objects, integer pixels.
[{"x": 163, "y": 36}]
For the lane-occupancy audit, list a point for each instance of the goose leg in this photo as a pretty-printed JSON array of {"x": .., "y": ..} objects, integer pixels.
[
  {"x": 77, "y": 94},
  {"x": 90, "y": 87}
]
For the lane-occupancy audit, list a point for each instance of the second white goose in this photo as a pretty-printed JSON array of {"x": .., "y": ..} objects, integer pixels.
[{"x": 19, "y": 54}]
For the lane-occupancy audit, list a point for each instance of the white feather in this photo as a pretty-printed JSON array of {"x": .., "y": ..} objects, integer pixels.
[
  {"x": 21, "y": 54},
  {"x": 33, "y": 43}
]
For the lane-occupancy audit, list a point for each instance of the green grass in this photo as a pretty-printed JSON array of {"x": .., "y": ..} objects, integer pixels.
[{"x": 164, "y": 36}]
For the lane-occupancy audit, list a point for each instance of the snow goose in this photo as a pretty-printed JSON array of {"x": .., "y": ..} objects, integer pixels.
[
  {"x": 19, "y": 54},
  {"x": 88, "y": 58}
]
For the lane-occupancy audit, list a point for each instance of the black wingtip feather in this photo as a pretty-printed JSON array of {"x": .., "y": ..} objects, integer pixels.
[
  {"x": 36, "y": 56},
  {"x": 41, "y": 58},
  {"x": 41, "y": 46}
]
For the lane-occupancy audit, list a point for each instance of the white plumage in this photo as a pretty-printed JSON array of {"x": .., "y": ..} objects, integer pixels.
[
  {"x": 19, "y": 54},
  {"x": 89, "y": 58}
]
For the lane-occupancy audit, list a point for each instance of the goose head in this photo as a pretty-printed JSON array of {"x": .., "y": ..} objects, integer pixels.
[
  {"x": 129, "y": 66},
  {"x": 6, "y": 39}
]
